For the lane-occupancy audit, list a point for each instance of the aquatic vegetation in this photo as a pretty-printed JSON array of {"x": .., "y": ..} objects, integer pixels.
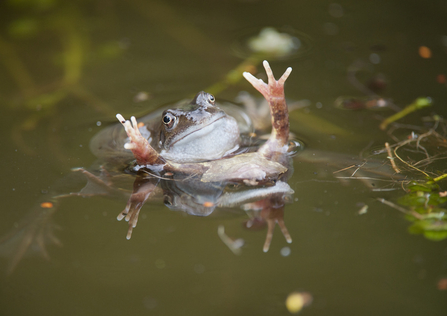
[
  {"x": 418, "y": 104},
  {"x": 416, "y": 150},
  {"x": 422, "y": 206},
  {"x": 425, "y": 199}
]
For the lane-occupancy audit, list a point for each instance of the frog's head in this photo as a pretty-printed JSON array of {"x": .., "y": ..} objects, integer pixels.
[{"x": 198, "y": 131}]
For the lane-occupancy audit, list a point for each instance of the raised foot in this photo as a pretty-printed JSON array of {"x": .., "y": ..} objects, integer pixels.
[
  {"x": 273, "y": 92},
  {"x": 140, "y": 147},
  {"x": 274, "y": 88}
]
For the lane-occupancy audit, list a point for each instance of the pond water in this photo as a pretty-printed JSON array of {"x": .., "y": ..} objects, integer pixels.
[{"x": 67, "y": 69}]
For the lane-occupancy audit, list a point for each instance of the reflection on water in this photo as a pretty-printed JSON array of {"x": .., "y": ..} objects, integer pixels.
[{"x": 67, "y": 67}]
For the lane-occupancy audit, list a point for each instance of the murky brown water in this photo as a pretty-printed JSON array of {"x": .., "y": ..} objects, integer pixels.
[{"x": 176, "y": 264}]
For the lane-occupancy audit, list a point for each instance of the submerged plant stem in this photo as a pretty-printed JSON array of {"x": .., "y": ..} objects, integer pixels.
[
  {"x": 401, "y": 209},
  {"x": 73, "y": 56},
  {"x": 416, "y": 105},
  {"x": 441, "y": 177}
]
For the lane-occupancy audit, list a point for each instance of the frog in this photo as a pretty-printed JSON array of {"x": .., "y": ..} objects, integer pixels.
[
  {"x": 185, "y": 132},
  {"x": 198, "y": 156},
  {"x": 173, "y": 159},
  {"x": 194, "y": 152},
  {"x": 207, "y": 150}
]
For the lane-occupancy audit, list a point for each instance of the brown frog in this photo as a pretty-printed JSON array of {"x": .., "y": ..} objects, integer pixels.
[
  {"x": 214, "y": 126},
  {"x": 202, "y": 144},
  {"x": 186, "y": 132}
]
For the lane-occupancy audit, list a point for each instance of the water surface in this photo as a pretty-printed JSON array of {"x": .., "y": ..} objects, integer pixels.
[{"x": 176, "y": 264}]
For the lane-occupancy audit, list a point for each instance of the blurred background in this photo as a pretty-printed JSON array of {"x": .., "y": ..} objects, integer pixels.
[{"x": 66, "y": 69}]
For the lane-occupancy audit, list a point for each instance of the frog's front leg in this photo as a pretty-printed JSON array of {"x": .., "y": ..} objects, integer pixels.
[
  {"x": 273, "y": 92},
  {"x": 140, "y": 147}
]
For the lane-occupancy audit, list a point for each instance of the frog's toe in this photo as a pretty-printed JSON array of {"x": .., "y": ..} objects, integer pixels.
[
  {"x": 121, "y": 215},
  {"x": 258, "y": 84},
  {"x": 130, "y": 214},
  {"x": 121, "y": 118},
  {"x": 271, "y": 77},
  {"x": 268, "y": 71}
]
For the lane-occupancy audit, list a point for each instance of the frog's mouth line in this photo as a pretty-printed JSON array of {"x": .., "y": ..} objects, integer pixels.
[{"x": 197, "y": 130}]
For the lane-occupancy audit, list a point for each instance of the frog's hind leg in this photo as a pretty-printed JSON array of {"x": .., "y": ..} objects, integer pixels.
[{"x": 273, "y": 92}]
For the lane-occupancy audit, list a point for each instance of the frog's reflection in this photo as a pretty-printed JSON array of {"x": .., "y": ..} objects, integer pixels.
[
  {"x": 34, "y": 233},
  {"x": 189, "y": 194},
  {"x": 270, "y": 211}
]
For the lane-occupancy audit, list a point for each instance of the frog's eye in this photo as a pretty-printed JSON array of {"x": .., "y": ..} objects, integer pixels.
[
  {"x": 169, "y": 120},
  {"x": 211, "y": 98},
  {"x": 167, "y": 200}
]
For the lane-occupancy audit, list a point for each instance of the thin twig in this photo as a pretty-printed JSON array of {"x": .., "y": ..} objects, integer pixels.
[
  {"x": 400, "y": 209},
  {"x": 347, "y": 168},
  {"x": 403, "y": 161},
  {"x": 358, "y": 168},
  {"x": 391, "y": 158}
]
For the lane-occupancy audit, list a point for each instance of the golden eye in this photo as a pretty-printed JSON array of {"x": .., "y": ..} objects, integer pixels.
[{"x": 211, "y": 98}]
